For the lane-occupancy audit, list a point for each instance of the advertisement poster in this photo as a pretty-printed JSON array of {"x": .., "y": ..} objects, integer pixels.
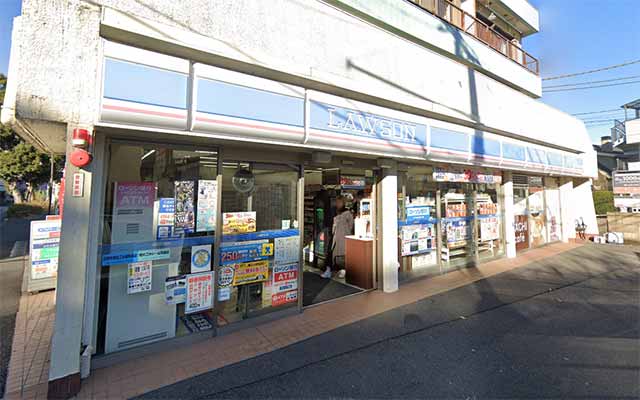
[
  {"x": 489, "y": 229},
  {"x": 466, "y": 176},
  {"x": 200, "y": 258},
  {"x": 184, "y": 219},
  {"x": 238, "y": 222},
  {"x": 278, "y": 299},
  {"x": 139, "y": 277},
  {"x": 251, "y": 272},
  {"x": 133, "y": 212},
  {"x": 44, "y": 245},
  {"x": 226, "y": 275},
  {"x": 207, "y": 196},
  {"x": 255, "y": 250},
  {"x": 417, "y": 239},
  {"x": 522, "y": 232},
  {"x": 224, "y": 293},
  {"x": 458, "y": 231},
  {"x": 416, "y": 214},
  {"x": 353, "y": 182},
  {"x": 199, "y": 292},
  {"x": 166, "y": 213},
  {"x": 175, "y": 289},
  {"x": 626, "y": 182},
  {"x": 287, "y": 250},
  {"x": 285, "y": 273}
]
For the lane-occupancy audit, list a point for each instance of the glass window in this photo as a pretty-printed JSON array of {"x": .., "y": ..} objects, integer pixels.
[
  {"x": 537, "y": 223},
  {"x": 457, "y": 223},
  {"x": 489, "y": 217},
  {"x": 553, "y": 211},
  {"x": 417, "y": 222},
  {"x": 157, "y": 249},
  {"x": 260, "y": 250}
]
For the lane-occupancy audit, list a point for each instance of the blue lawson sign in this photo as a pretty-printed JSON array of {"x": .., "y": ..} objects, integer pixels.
[
  {"x": 328, "y": 117},
  {"x": 417, "y": 214}
]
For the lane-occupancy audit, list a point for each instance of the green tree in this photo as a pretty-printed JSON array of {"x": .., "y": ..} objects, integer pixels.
[
  {"x": 603, "y": 201},
  {"x": 3, "y": 85},
  {"x": 20, "y": 162}
]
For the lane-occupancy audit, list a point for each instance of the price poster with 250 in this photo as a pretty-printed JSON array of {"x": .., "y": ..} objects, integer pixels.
[{"x": 238, "y": 252}]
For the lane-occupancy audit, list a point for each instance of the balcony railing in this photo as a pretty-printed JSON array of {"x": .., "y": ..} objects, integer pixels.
[{"x": 468, "y": 23}]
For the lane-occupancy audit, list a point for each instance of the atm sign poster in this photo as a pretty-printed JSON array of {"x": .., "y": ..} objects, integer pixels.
[{"x": 285, "y": 284}]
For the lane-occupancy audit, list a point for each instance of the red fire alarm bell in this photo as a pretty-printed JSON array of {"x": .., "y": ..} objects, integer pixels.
[{"x": 81, "y": 140}]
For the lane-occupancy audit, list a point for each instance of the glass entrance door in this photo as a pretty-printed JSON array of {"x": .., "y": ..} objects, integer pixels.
[{"x": 457, "y": 211}]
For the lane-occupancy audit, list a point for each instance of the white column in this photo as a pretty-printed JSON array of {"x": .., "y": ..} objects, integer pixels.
[
  {"x": 509, "y": 217},
  {"x": 70, "y": 292},
  {"x": 389, "y": 229},
  {"x": 583, "y": 205},
  {"x": 566, "y": 210}
]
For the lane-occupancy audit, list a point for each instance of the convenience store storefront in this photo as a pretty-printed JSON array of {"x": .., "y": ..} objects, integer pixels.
[{"x": 207, "y": 191}]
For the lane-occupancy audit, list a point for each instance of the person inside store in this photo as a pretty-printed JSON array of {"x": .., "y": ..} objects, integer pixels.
[
  {"x": 342, "y": 226},
  {"x": 356, "y": 202}
]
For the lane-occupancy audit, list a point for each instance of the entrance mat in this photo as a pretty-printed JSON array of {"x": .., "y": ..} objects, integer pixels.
[{"x": 316, "y": 289}]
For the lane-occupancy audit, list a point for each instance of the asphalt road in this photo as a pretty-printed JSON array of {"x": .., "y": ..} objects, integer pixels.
[{"x": 566, "y": 327}]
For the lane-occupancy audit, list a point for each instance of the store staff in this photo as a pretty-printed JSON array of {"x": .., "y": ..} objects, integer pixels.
[{"x": 342, "y": 226}]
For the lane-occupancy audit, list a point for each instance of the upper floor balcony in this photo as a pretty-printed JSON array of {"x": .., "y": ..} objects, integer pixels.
[
  {"x": 483, "y": 21},
  {"x": 627, "y": 131}
]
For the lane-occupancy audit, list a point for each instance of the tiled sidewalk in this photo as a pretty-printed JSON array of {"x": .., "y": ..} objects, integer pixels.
[
  {"x": 29, "y": 364},
  {"x": 144, "y": 374}
]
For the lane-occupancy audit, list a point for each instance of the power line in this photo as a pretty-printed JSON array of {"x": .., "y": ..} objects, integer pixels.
[
  {"x": 600, "y": 120},
  {"x": 591, "y": 71},
  {"x": 591, "y": 87},
  {"x": 591, "y": 82}
]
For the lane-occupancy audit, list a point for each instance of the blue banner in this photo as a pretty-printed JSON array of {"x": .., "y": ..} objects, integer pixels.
[{"x": 245, "y": 253}]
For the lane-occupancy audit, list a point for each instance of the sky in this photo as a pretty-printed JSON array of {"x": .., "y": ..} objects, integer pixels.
[{"x": 575, "y": 36}]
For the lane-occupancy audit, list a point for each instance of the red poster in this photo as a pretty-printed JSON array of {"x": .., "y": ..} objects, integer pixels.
[{"x": 522, "y": 232}]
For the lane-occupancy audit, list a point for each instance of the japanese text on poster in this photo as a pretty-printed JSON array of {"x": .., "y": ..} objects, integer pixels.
[
  {"x": 139, "y": 277},
  {"x": 233, "y": 253},
  {"x": 251, "y": 272},
  {"x": 287, "y": 250},
  {"x": 44, "y": 248},
  {"x": 206, "y": 215},
  {"x": 133, "y": 212},
  {"x": 199, "y": 292}
]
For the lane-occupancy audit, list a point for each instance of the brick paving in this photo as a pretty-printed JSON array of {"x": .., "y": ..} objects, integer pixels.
[
  {"x": 141, "y": 375},
  {"x": 29, "y": 364}
]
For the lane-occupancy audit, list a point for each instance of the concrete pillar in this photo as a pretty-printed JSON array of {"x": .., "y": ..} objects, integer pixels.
[
  {"x": 388, "y": 229},
  {"x": 509, "y": 217},
  {"x": 64, "y": 370},
  {"x": 583, "y": 204},
  {"x": 566, "y": 211}
]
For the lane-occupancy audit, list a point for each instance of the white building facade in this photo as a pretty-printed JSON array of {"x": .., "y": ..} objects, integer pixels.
[{"x": 222, "y": 133}]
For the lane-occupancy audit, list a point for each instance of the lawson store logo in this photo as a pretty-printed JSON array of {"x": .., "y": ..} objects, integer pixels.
[{"x": 346, "y": 121}]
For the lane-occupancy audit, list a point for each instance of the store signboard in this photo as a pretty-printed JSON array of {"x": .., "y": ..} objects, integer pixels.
[
  {"x": 352, "y": 182},
  {"x": 466, "y": 175},
  {"x": 626, "y": 182},
  {"x": 44, "y": 246},
  {"x": 251, "y": 272},
  {"x": 199, "y": 292},
  {"x": 238, "y": 222},
  {"x": 207, "y": 196},
  {"x": 352, "y": 122}
]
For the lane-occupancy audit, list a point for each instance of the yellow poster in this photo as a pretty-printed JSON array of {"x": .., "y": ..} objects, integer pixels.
[{"x": 251, "y": 272}]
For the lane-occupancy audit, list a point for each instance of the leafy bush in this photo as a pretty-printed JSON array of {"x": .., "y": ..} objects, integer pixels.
[
  {"x": 21, "y": 210},
  {"x": 603, "y": 201}
]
